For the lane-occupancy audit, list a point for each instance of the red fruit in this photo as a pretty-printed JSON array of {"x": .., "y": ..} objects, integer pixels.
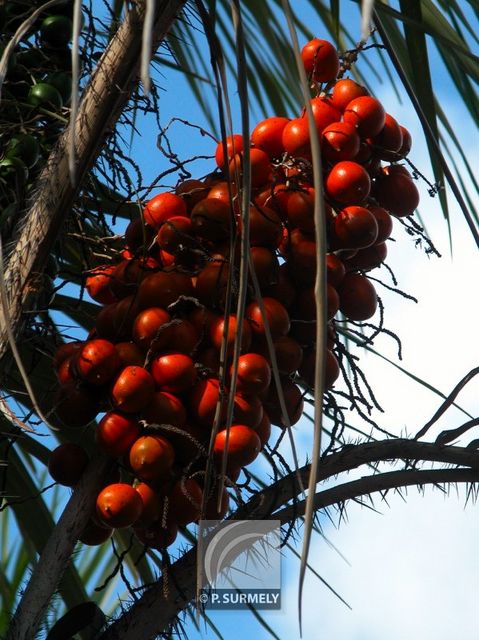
[
  {"x": 259, "y": 163},
  {"x": 307, "y": 303},
  {"x": 234, "y": 144},
  {"x": 163, "y": 288},
  {"x": 332, "y": 369},
  {"x": 395, "y": 191},
  {"x": 151, "y": 511},
  {"x": 132, "y": 390},
  {"x": 244, "y": 446},
  {"x": 369, "y": 258},
  {"x": 147, "y": 326},
  {"x": 335, "y": 270},
  {"x": 192, "y": 191},
  {"x": 217, "y": 332},
  {"x": 355, "y": 228},
  {"x": 97, "y": 361},
  {"x": 115, "y": 321},
  {"x": 283, "y": 290},
  {"x": 366, "y": 114},
  {"x": 75, "y": 406},
  {"x": 324, "y": 113},
  {"x": 266, "y": 228},
  {"x": 265, "y": 265},
  {"x": 348, "y": 183},
  {"x": 67, "y": 463},
  {"x": 128, "y": 274},
  {"x": 97, "y": 283},
  {"x": 357, "y": 296},
  {"x": 118, "y": 505},
  {"x": 163, "y": 207},
  {"x": 268, "y": 136},
  {"x": 174, "y": 233},
  {"x": 389, "y": 139},
  {"x": 300, "y": 209},
  {"x": 321, "y": 60},
  {"x": 275, "y": 198},
  {"x": 289, "y": 354},
  {"x": 303, "y": 253},
  {"x": 293, "y": 399},
  {"x": 203, "y": 399},
  {"x": 340, "y": 141},
  {"x": 66, "y": 371},
  {"x": 137, "y": 235},
  {"x": 116, "y": 433},
  {"x": 211, "y": 284},
  {"x": 130, "y": 354},
  {"x": 264, "y": 430},
  {"x": 165, "y": 408},
  {"x": 66, "y": 351},
  {"x": 406, "y": 142},
  {"x": 156, "y": 536},
  {"x": 221, "y": 191},
  {"x": 94, "y": 534},
  {"x": 184, "y": 502},
  {"x": 344, "y": 91},
  {"x": 173, "y": 372},
  {"x": 384, "y": 222},
  {"x": 211, "y": 219},
  {"x": 151, "y": 458},
  {"x": 296, "y": 140},
  {"x": 253, "y": 374},
  {"x": 248, "y": 411},
  {"x": 277, "y": 318}
]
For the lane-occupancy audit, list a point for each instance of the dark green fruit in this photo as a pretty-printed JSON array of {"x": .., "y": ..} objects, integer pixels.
[
  {"x": 25, "y": 147},
  {"x": 45, "y": 95},
  {"x": 13, "y": 171},
  {"x": 56, "y": 30},
  {"x": 62, "y": 83}
]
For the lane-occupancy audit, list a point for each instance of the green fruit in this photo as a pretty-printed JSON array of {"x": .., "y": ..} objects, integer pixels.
[
  {"x": 45, "y": 95},
  {"x": 13, "y": 170},
  {"x": 56, "y": 30},
  {"x": 25, "y": 147},
  {"x": 62, "y": 83}
]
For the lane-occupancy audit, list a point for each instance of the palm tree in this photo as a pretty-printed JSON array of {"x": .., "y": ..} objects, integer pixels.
[{"x": 56, "y": 222}]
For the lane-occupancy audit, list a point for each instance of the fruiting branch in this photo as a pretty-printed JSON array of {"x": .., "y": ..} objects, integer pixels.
[{"x": 153, "y": 612}]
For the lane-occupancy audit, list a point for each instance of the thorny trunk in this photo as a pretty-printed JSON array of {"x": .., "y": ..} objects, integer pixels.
[{"x": 103, "y": 100}]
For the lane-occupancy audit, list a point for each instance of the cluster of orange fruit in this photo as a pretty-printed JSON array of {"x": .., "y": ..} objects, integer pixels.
[{"x": 152, "y": 361}]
